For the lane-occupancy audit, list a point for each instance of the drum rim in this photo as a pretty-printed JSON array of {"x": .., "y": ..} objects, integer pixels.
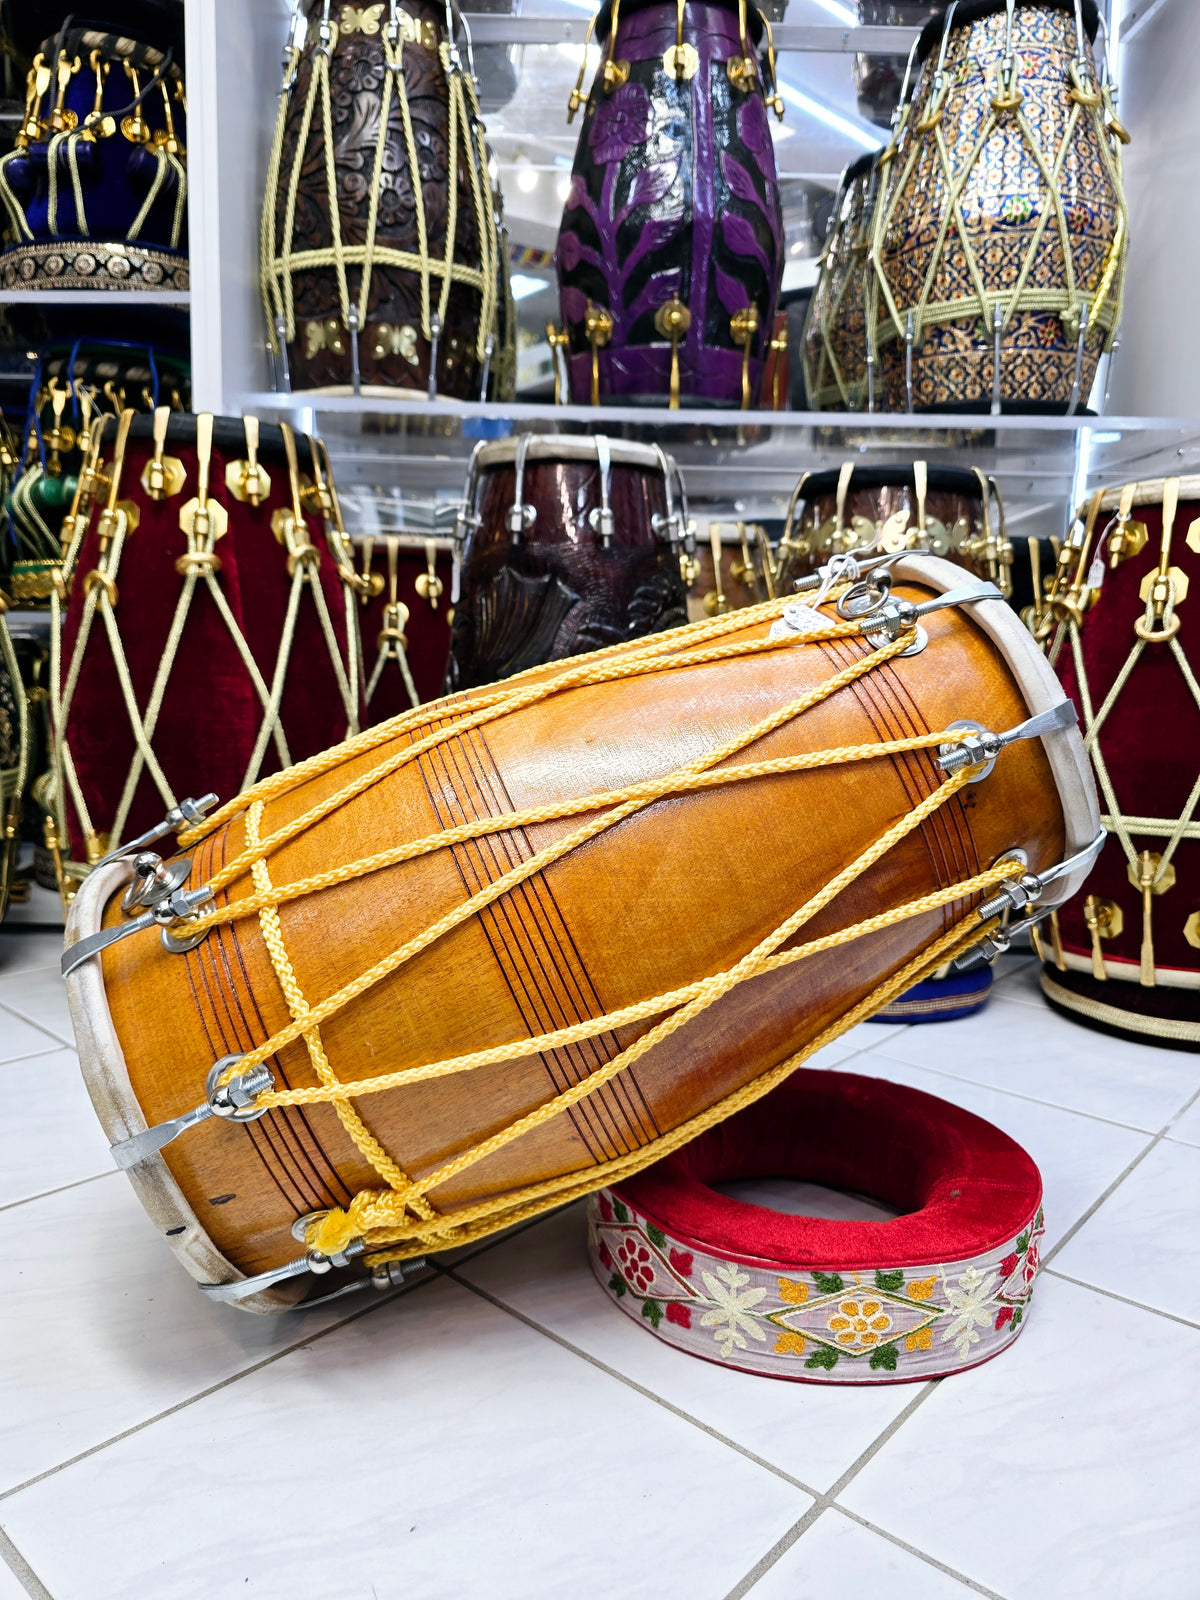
[
  {"x": 1069, "y": 762},
  {"x": 229, "y": 434},
  {"x": 1149, "y": 492},
  {"x": 565, "y": 447},
  {"x": 1140, "y": 1025},
  {"x": 629, "y": 8},
  {"x": 860, "y": 167},
  {"x": 940, "y": 480},
  {"x": 971, "y": 11},
  {"x": 106, "y": 1077}
]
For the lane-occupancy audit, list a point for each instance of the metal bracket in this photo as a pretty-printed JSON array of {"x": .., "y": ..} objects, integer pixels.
[
  {"x": 234, "y": 1101},
  {"x": 181, "y": 905},
  {"x": 981, "y": 748},
  {"x": 185, "y": 814},
  {"x": 896, "y": 616}
]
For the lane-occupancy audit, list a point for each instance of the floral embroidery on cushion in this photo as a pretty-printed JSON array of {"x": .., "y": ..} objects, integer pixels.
[
  {"x": 794, "y": 1293},
  {"x": 859, "y": 1322},
  {"x": 921, "y": 1288},
  {"x": 790, "y": 1344},
  {"x": 731, "y": 1317},
  {"x": 679, "y": 1314},
  {"x": 636, "y": 1263},
  {"x": 968, "y": 1301},
  {"x": 921, "y": 1340},
  {"x": 681, "y": 1260}
]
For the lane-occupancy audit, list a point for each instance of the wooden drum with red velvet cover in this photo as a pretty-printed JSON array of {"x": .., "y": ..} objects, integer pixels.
[
  {"x": 1120, "y": 624},
  {"x": 205, "y": 632},
  {"x": 938, "y": 1288}
]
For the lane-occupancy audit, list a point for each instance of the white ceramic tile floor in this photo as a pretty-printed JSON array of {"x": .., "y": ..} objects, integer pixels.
[{"x": 506, "y": 1431}]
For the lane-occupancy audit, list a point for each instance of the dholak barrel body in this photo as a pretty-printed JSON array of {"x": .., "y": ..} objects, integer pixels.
[
  {"x": 1011, "y": 298},
  {"x": 954, "y": 512},
  {"x": 97, "y": 187},
  {"x": 675, "y": 892},
  {"x": 404, "y": 620},
  {"x": 1126, "y": 961},
  {"x": 393, "y": 276},
  {"x": 571, "y": 546},
  {"x": 671, "y": 246},
  {"x": 835, "y": 334},
  {"x": 226, "y": 655}
]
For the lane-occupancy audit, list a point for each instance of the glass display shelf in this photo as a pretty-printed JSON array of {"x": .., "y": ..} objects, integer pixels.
[{"x": 816, "y": 39}]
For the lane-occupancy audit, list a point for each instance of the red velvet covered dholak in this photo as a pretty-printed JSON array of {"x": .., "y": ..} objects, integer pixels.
[
  {"x": 1149, "y": 744},
  {"x": 940, "y": 1288},
  {"x": 211, "y": 711},
  {"x": 394, "y": 566}
]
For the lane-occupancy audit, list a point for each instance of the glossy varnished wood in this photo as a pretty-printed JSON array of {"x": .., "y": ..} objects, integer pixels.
[{"x": 670, "y": 895}]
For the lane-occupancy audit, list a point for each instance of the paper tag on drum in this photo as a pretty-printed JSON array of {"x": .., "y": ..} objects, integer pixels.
[{"x": 796, "y": 621}]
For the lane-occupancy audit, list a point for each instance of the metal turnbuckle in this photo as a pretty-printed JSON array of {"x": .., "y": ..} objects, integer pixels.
[
  {"x": 1023, "y": 894},
  {"x": 893, "y": 618},
  {"x": 980, "y": 748},
  {"x": 181, "y": 905},
  {"x": 153, "y": 881},
  {"x": 391, "y": 1275},
  {"x": 235, "y": 1101},
  {"x": 184, "y": 815}
]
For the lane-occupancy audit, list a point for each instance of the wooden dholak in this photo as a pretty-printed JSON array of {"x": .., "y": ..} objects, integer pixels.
[{"x": 525, "y": 941}]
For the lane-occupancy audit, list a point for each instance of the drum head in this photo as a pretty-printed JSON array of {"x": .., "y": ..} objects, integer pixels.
[{"x": 566, "y": 447}]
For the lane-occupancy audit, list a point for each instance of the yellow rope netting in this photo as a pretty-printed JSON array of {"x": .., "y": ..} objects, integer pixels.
[
  {"x": 279, "y": 262},
  {"x": 402, "y": 1214},
  {"x": 1070, "y": 300}
]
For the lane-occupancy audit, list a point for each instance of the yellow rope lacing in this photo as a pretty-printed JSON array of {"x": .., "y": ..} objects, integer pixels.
[
  {"x": 280, "y": 262},
  {"x": 101, "y": 597},
  {"x": 402, "y": 1214},
  {"x": 1069, "y": 300}
]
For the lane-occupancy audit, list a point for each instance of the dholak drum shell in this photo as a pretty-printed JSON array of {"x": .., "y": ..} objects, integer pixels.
[
  {"x": 835, "y": 332},
  {"x": 211, "y": 712},
  {"x": 1147, "y": 743},
  {"x": 424, "y": 580},
  {"x": 961, "y": 523},
  {"x": 314, "y": 306},
  {"x": 131, "y": 230},
  {"x": 679, "y": 890},
  {"x": 673, "y": 209},
  {"x": 1016, "y": 265},
  {"x": 732, "y": 568},
  {"x": 553, "y": 589}
]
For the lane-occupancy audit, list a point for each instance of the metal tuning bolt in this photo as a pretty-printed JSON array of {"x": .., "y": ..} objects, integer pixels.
[
  {"x": 1149, "y": 875},
  {"x": 521, "y": 517},
  {"x": 428, "y": 585},
  {"x": 598, "y": 326},
  {"x": 355, "y": 369},
  {"x": 1166, "y": 588},
  {"x": 284, "y": 373},
  {"x": 177, "y": 908},
  {"x": 435, "y": 334},
  {"x": 600, "y": 518},
  {"x": 62, "y": 121},
  {"x": 1129, "y": 537},
  {"x": 715, "y": 603},
  {"x": 135, "y": 128},
  {"x": 896, "y": 616},
  {"x": 1104, "y": 920},
  {"x": 489, "y": 349},
  {"x": 980, "y": 748},
  {"x": 558, "y": 340},
  {"x": 235, "y": 1100},
  {"x": 185, "y": 815},
  {"x": 163, "y": 475},
  {"x": 248, "y": 481},
  {"x": 153, "y": 881},
  {"x": 391, "y": 1274},
  {"x": 743, "y": 325},
  {"x": 204, "y": 521},
  {"x": 672, "y": 320}
]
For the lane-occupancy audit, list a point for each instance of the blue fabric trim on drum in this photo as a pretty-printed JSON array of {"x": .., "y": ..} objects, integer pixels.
[{"x": 939, "y": 999}]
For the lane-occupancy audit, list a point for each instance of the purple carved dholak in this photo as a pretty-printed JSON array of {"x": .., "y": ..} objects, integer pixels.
[{"x": 674, "y": 198}]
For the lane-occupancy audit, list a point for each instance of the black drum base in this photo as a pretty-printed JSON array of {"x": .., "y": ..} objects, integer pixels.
[{"x": 1161, "y": 1016}]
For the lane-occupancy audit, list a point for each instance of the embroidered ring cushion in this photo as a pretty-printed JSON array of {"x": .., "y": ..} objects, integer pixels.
[
  {"x": 527, "y": 989},
  {"x": 942, "y": 1287}
]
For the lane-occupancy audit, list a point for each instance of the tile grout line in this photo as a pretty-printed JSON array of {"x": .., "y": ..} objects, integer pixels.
[
  {"x": 932, "y": 1561},
  {"x": 1111, "y": 1294},
  {"x": 215, "y": 1388},
  {"x": 77, "y": 1183},
  {"x": 829, "y": 1499},
  {"x": 40, "y": 1026},
  {"x": 630, "y": 1383},
  {"x": 21, "y": 1570},
  {"x": 1091, "y": 1211}
]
